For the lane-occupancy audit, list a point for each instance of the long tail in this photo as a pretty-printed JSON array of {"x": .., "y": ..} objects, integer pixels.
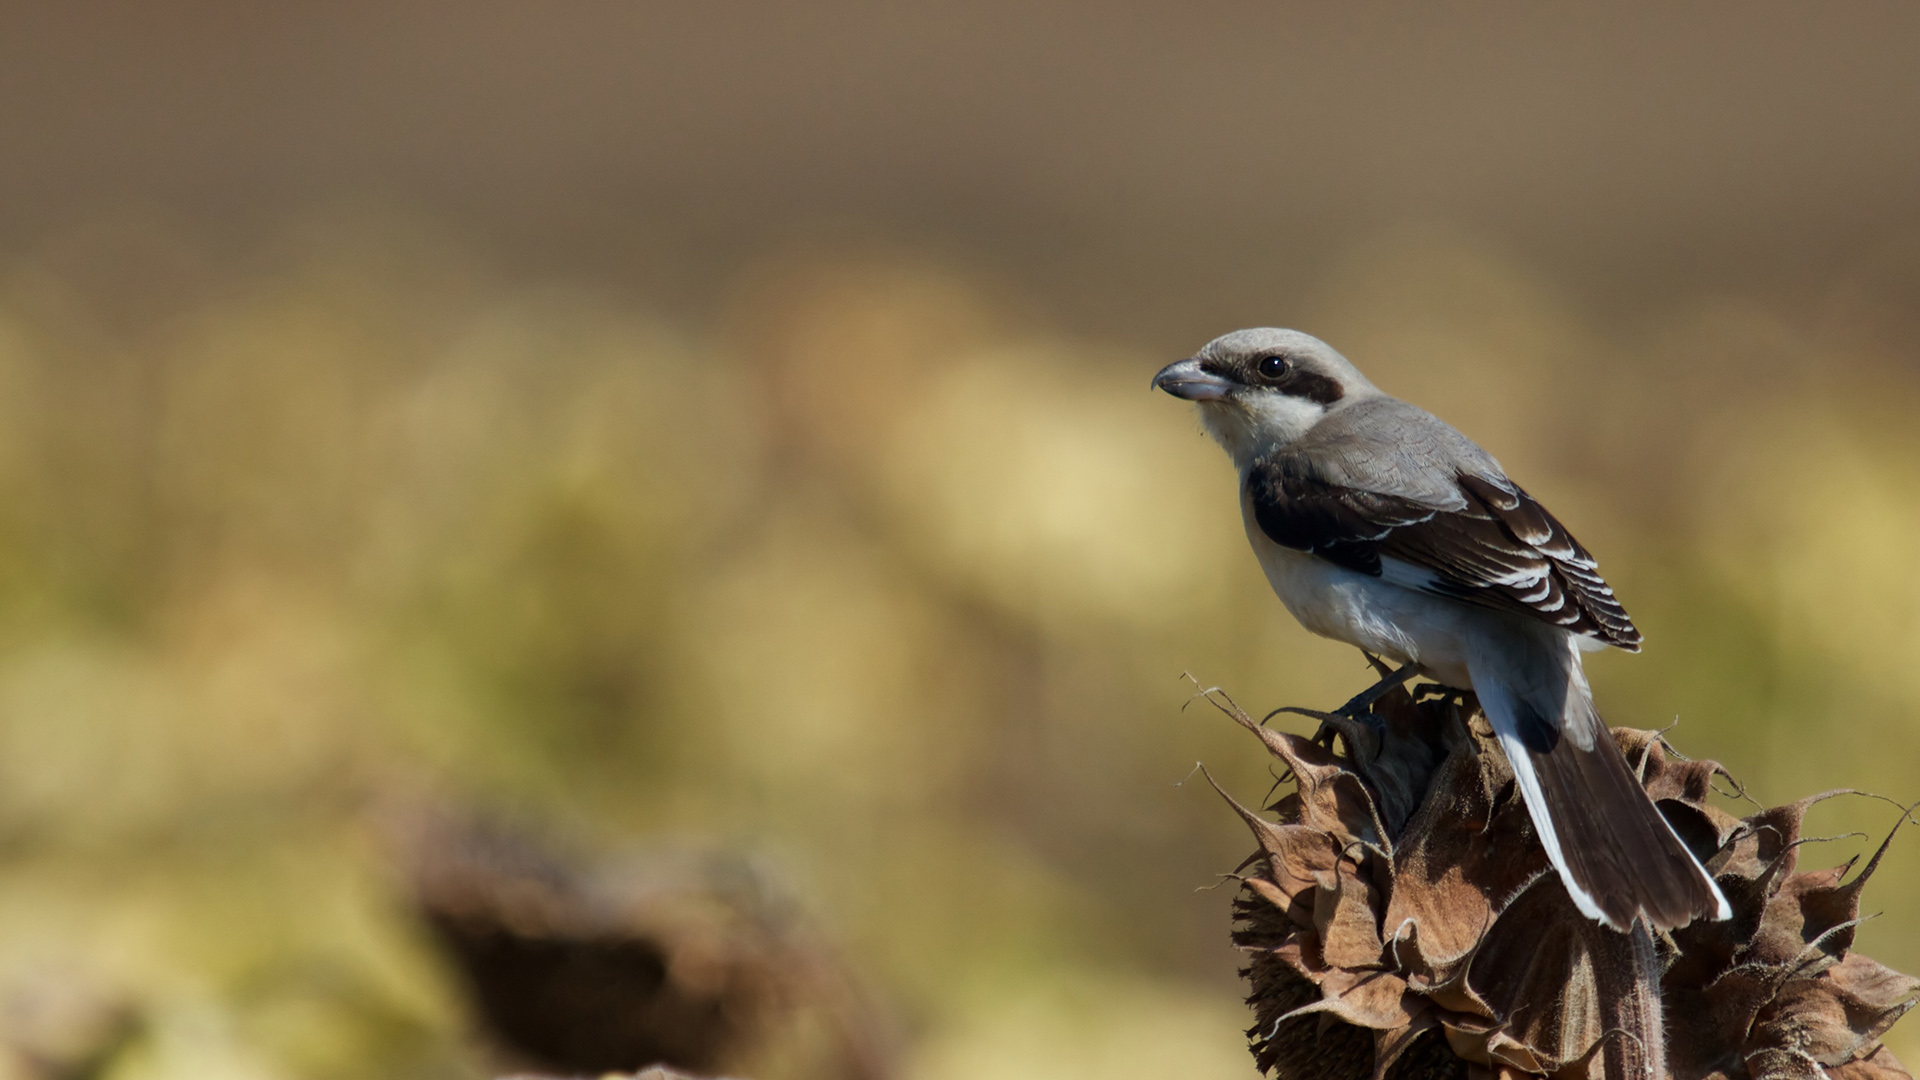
[{"x": 1614, "y": 849}]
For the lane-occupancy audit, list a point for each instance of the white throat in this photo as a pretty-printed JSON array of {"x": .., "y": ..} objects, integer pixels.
[{"x": 1251, "y": 426}]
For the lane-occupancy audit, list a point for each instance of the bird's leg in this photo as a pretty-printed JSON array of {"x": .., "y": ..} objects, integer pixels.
[
  {"x": 1363, "y": 701},
  {"x": 1354, "y": 721}
]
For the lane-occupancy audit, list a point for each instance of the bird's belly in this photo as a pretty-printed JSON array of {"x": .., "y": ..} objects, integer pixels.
[{"x": 1368, "y": 612}]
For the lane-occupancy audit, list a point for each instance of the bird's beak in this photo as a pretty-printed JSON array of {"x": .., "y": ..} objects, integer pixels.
[{"x": 1185, "y": 379}]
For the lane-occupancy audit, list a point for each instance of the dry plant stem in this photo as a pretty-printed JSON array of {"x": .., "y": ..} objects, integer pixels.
[
  {"x": 1401, "y": 922},
  {"x": 1635, "y": 1047}
]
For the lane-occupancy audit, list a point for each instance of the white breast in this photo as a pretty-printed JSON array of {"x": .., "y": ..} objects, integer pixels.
[{"x": 1389, "y": 620}]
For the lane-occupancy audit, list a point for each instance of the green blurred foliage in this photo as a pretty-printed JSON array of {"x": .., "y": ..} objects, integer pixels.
[{"x": 873, "y": 574}]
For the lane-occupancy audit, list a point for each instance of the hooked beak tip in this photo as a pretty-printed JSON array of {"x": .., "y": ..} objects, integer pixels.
[{"x": 1186, "y": 379}]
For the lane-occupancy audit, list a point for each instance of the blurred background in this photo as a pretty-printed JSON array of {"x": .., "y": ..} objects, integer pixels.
[{"x": 709, "y": 445}]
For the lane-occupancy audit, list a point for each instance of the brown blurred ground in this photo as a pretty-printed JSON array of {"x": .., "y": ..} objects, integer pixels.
[{"x": 725, "y": 427}]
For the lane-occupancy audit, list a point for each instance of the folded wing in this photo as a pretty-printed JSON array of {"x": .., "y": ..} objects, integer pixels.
[{"x": 1392, "y": 491}]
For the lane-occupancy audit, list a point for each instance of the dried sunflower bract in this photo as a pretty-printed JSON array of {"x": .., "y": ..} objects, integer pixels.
[{"x": 1401, "y": 922}]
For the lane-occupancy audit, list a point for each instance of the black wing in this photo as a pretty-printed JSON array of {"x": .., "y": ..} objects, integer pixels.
[{"x": 1489, "y": 544}]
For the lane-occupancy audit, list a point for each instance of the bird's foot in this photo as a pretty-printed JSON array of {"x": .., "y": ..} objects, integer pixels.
[
  {"x": 1356, "y": 723},
  {"x": 1360, "y": 708}
]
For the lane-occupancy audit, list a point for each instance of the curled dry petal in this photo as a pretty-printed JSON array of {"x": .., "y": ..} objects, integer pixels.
[{"x": 1401, "y": 922}]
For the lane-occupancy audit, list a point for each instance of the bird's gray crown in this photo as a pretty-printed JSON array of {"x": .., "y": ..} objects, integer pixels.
[{"x": 1308, "y": 367}]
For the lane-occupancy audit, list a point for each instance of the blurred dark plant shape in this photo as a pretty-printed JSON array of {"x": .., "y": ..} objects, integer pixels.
[
  {"x": 1402, "y": 923},
  {"x": 653, "y": 1073},
  {"x": 66, "y": 1026},
  {"x": 665, "y": 961}
]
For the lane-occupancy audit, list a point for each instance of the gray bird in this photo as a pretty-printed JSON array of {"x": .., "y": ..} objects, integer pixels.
[{"x": 1379, "y": 525}]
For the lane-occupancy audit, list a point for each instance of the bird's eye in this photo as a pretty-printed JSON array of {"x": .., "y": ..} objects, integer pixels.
[{"x": 1272, "y": 367}]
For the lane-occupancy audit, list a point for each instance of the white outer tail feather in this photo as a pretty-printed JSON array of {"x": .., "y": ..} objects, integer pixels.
[
  {"x": 1536, "y": 801},
  {"x": 1497, "y": 700}
]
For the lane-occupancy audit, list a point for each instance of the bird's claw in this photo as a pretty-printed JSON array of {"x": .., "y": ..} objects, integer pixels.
[{"x": 1363, "y": 716}]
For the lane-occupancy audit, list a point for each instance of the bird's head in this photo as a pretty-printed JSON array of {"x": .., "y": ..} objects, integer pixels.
[{"x": 1261, "y": 389}]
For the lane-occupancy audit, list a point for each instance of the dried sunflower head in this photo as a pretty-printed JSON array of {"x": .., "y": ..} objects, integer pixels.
[
  {"x": 1401, "y": 921},
  {"x": 657, "y": 961}
]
